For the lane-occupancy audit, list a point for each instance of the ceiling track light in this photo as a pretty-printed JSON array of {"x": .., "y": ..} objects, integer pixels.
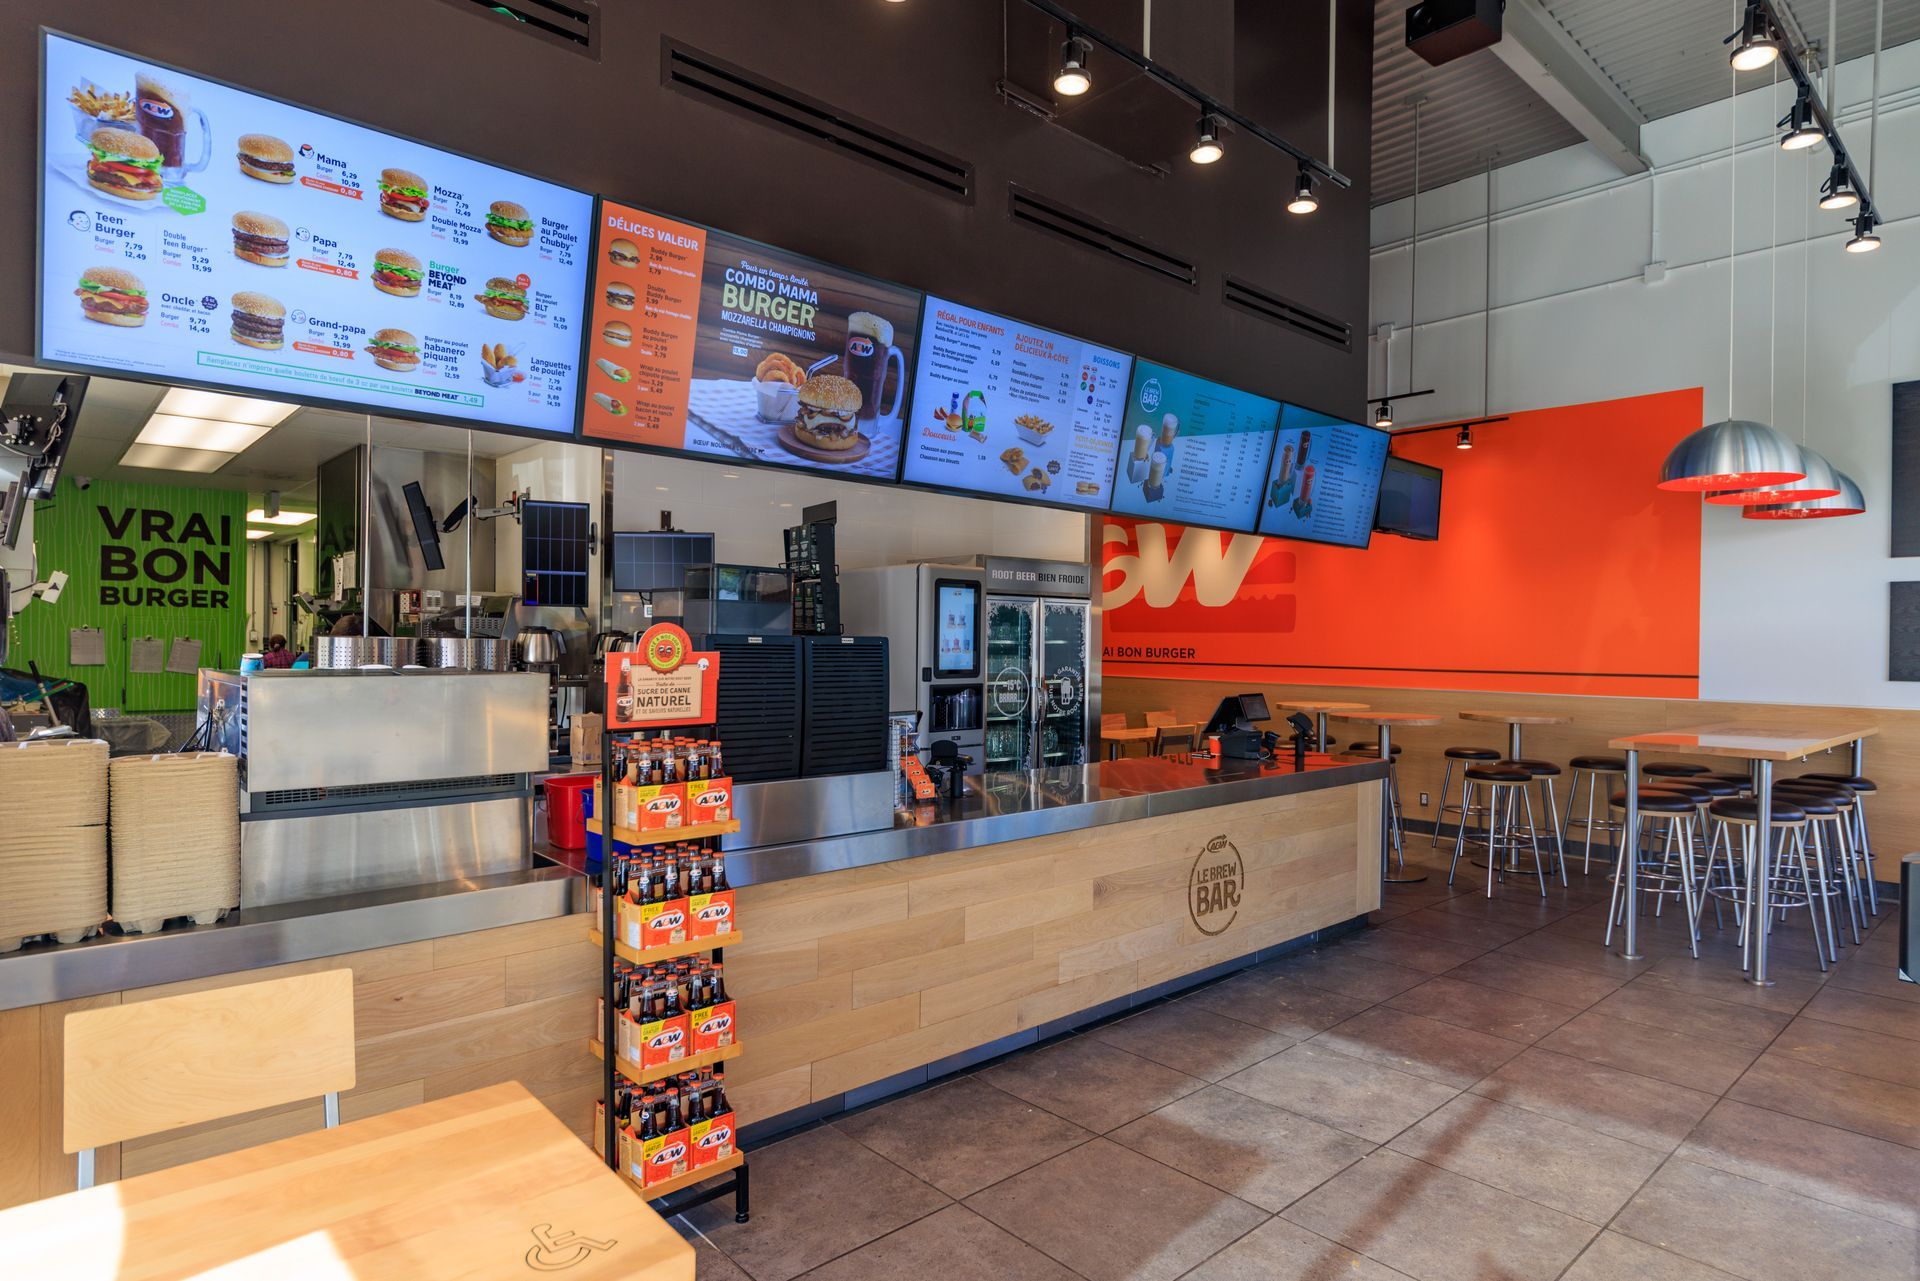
[
  {"x": 1759, "y": 43},
  {"x": 1464, "y": 440},
  {"x": 1073, "y": 79},
  {"x": 1206, "y": 147},
  {"x": 1383, "y": 415},
  {"x": 1864, "y": 240},
  {"x": 1304, "y": 201},
  {"x": 1801, "y": 130},
  {"x": 1837, "y": 192}
]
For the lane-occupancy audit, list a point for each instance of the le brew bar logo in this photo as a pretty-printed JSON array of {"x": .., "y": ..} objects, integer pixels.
[
  {"x": 1214, "y": 886},
  {"x": 154, "y": 558}
]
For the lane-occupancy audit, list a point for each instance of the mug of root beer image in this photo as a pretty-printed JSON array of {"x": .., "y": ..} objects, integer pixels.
[{"x": 865, "y": 361}]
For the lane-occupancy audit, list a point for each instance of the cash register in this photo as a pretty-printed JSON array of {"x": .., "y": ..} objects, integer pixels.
[{"x": 1232, "y": 723}]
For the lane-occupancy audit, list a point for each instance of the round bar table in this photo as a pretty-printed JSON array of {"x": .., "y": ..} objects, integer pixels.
[
  {"x": 1320, "y": 708},
  {"x": 1513, "y": 721},
  {"x": 1392, "y": 847}
]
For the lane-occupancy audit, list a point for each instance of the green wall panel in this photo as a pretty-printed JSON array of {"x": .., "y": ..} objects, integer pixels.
[{"x": 144, "y": 560}]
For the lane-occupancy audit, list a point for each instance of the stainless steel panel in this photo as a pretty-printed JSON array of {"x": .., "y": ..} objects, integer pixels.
[
  {"x": 256, "y": 937},
  {"x": 339, "y": 728},
  {"x": 457, "y": 653},
  {"x": 285, "y": 860},
  {"x": 798, "y": 809},
  {"x": 350, "y": 652}
]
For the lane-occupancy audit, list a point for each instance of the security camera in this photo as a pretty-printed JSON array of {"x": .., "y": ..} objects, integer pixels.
[{"x": 83, "y": 482}]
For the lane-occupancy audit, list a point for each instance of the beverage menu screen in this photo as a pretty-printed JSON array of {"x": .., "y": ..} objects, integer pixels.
[
  {"x": 738, "y": 350},
  {"x": 1191, "y": 450},
  {"x": 1013, "y": 410},
  {"x": 1324, "y": 483},
  {"x": 195, "y": 232}
]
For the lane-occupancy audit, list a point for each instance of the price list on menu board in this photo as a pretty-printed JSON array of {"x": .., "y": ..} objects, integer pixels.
[
  {"x": 1324, "y": 483},
  {"x": 1013, "y": 410},
  {"x": 640, "y": 347},
  {"x": 1191, "y": 450},
  {"x": 198, "y": 232}
]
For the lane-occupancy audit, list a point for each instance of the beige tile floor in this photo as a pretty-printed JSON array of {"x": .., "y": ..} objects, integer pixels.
[{"x": 1467, "y": 1091}]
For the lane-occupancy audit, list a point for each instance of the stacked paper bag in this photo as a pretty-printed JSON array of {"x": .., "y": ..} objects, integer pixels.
[
  {"x": 176, "y": 838},
  {"x": 53, "y": 839}
]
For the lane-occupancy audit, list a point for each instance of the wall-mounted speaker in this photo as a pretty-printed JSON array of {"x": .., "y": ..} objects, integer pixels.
[{"x": 1442, "y": 30}]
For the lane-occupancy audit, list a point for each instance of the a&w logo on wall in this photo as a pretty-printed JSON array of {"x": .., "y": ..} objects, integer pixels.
[{"x": 1150, "y": 570}]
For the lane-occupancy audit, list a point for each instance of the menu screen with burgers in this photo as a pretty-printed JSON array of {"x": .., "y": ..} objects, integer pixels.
[
  {"x": 1013, "y": 410},
  {"x": 198, "y": 232},
  {"x": 1191, "y": 450},
  {"x": 710, "y": 344}
]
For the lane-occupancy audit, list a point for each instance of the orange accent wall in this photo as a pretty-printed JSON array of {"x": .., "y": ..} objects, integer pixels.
[{"x": 1559, "y": 569}]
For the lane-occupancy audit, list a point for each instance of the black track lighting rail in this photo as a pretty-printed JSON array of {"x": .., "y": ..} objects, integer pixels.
[
  {"x": 1076, "y": 26},
  {"x": 1810, "y": 93},
  {"x": 1454, "y": 426}
]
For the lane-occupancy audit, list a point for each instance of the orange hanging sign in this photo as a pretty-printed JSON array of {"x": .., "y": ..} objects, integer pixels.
[{"x": 664, "y": 682}]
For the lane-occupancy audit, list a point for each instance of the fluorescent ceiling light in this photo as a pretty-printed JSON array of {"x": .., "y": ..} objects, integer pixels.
[
  {"x": 200, "y": 433},
  {"x": 258, "y": 516},
  {"x": 173, "y": 458},
  {"x": 193, "y": 403},
  {"x": 259, "y": 533}
]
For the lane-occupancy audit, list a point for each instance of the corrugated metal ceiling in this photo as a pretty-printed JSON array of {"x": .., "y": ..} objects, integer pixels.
[{"x": 1666, "y": 56}]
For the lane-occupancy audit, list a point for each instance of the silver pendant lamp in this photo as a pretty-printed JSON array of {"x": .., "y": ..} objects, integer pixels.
[
  {"x": 1848, "y": 502},
  {"x": 1820, "y": 481},
  {"x": 1735, "y": 453}
]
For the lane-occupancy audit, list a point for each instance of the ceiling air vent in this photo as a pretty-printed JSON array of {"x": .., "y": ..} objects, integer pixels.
[
  {"x": 1090, "y": 233},
  {"x": 573, "y": 24},
  {"x": 1271, "y": 307},
  {"x": 700, "y": 75}
]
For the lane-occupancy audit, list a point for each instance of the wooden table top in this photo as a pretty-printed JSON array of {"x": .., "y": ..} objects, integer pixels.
[
  {"x": 1516, "y": 718},
  {"x": 1316, "y": 705},
  {"x": 1390, "y": 718},
  {"x": 1745, "y": 742},
  {"x": 484, "y": 1184},
  {"x": 1132, "y": 734}
]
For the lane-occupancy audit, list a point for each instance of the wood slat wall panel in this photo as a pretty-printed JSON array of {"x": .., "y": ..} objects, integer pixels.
[
  {"x": 1893, "y": 755},
  {"x": 431, "y": 1019},
  {"x": 958, "y": 950}
]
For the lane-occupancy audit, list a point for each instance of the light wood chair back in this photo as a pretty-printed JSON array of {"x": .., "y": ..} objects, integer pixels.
[
  {"x": 1180, "y": 737},
  {"x": 1156, "y": 719},
  {"x": 147, "y": 1066},
  {"x": 1110, "y": 721}
]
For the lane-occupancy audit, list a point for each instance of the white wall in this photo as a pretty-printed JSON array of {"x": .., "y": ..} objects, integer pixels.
[{"x": 1790, "y": 611}]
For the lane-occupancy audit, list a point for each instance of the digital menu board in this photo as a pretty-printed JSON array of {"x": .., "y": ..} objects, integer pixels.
[
  {"x": 741, "y": 350},
  {"x": 1013, "y": 410},
  {"x": 198, "y": 233},
  {"x": 1191, "y": 450},
  {"x": 1324, "y": 483}
]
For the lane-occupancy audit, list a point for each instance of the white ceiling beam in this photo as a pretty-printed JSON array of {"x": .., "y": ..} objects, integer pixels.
[{"x": 1541, "y": 52}]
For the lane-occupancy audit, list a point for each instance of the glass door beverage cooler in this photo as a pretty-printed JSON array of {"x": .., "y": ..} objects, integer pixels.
[{"x": 1036, "y": 682}]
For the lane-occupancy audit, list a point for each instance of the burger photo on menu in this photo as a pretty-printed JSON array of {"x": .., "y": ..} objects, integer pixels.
[
  {"x": 507, "y": 222},
  {"x": 397, "y": 272},
  {"x": 620, "y": 295},
  {"x": 259, "y": 320},
  {"x": 798, "y": 362},
  {"x": 503, "y": 299},
  {"x": 403, "y": 195},
  {"x": 265, "y": 157},
  {"x": 259, "y": 238},
  {"x": 395, "y": 349},
  {"x": 123, "y": 163},
  {"x": 617, "y": 333},
  {"x": 623, "y": 253},
  {"x": 113, "y": 297}
]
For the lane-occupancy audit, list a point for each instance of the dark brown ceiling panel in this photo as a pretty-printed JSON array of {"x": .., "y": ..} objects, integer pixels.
[{"x": 571, "y": 24}]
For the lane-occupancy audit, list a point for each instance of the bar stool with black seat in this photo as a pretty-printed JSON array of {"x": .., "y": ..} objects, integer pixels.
[
  {"x": 1862, "y": 842},
  {"x": 1829, "y": 810},
  {"x": 1663, "y": 853},
  {"x": 1740, "y": 779},
  {"x": 1672, "y": 769},
  {"x": 1506, "y": 789},
  {"x": 1784, "y": 890},
  {"x": 1599, "y": 773},
  {"x": 1462, "y": 756},
  {"x": 1544, "y": 772}
]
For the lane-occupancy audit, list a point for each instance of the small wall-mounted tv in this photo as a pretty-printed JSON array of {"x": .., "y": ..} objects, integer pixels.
[{"x": 1409, "y": 500}]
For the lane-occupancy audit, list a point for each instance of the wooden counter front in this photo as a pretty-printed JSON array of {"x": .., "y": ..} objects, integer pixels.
[{"x": 853, "y": 977}]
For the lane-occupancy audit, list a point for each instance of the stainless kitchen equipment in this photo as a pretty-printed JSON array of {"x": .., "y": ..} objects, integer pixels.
[
  {"x": 359, "y": 651},
  {"x": 932, "y": 616},
  {"x": 481, "y": 654},
  {"x": 361, "y": 780}
]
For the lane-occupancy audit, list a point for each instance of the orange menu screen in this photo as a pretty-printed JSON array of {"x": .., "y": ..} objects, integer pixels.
[{"x": 640, "y": 345}]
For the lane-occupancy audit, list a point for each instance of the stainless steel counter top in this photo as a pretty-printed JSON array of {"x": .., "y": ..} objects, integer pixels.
[
  {"x": 1002, "y": 807},
  {"x": 1017, "y": 806}
]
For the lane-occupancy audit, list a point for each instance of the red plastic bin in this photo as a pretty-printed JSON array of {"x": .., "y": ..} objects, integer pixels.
[{"x": 566, "y": 809}]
